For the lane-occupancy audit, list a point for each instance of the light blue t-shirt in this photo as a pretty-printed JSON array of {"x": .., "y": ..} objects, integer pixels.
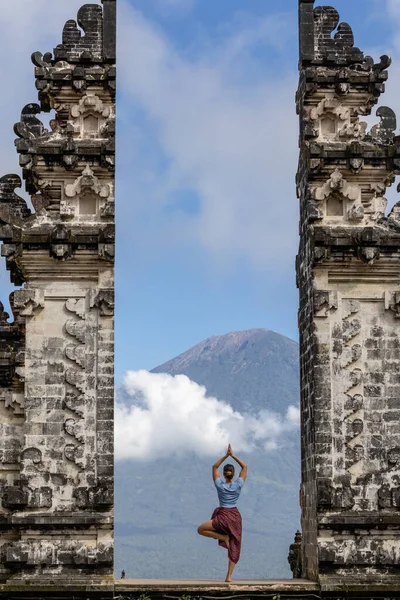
[{"x": 228, "y": 493}]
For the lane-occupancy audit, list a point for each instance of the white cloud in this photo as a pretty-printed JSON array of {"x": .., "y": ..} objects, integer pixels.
[
  {"x": 225, "y": 129},
  {"x": 173, "y": 416}
]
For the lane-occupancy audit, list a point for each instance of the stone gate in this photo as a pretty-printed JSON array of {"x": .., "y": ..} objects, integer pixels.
[
  {"x": 348, "y": 271},
  {"x": 57, "y": 356}
]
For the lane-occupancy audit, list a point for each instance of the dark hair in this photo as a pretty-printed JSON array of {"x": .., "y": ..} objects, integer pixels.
[{"x": 229, "y": 466}]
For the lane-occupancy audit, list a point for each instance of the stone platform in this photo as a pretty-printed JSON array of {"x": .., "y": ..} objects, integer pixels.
[
  {"x": 209, "y": 588},
  {"x": 195, "y": 589}
]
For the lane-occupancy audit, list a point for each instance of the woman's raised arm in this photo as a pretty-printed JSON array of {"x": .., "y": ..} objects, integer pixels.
[
  {"x": 243, "y": 472},
  {"x": 215, "y": 472}
]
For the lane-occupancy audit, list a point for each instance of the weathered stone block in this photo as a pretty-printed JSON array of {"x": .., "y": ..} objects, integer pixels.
[
  {"x": 14, "y": 498},
  {"x": 16, "y": 554}
]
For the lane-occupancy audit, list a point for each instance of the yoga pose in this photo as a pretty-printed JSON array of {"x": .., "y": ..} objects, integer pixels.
[{"x": 225, "y": 524}]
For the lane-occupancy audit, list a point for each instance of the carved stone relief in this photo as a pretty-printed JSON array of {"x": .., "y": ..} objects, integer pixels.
[
  {"x": 87, "y": 197},
  {"x": 352, "y": 204},
  {"x": 365, "y": 351},
  {"x": 334, "y": 120},
  {"x": 89, "y": 116},
  {"x": 341, "y": 199}
]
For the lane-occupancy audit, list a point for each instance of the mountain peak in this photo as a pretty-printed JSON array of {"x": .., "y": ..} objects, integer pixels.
[{"x": 253, "y": 369}]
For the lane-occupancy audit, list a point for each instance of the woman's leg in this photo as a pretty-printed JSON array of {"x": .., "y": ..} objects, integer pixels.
[
  {"x": 207, "y": 530},
  {"x": 231, "y": 566}
]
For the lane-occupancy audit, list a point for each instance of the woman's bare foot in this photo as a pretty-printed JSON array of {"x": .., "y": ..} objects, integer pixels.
[
  {"x": 228, "y": 580},
  {"x": 226, "y": 540}
]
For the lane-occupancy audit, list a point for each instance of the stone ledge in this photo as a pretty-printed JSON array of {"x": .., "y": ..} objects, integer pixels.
[
  {"x": 363, "y": 587},
  {"x": 47, "y": 520},
  {"x": 360, "y": 521},
  {"x": 61, "y": 590},
  {"x": 157, "y": 589}
]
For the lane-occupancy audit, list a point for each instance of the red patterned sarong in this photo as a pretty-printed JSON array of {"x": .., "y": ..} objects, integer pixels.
[{"x": 228, "y": 521}]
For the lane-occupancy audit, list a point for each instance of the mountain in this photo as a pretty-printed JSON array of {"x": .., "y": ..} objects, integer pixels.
[
  {"x": 159, "y": 504},
  {"x": 252, "y": 369}
]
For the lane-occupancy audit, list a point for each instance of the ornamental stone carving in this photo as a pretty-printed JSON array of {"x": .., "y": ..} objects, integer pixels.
[{"x": 87, "y": 181}]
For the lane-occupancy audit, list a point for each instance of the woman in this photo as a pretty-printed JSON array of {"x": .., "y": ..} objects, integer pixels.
[{"x": 225, "y": 524}]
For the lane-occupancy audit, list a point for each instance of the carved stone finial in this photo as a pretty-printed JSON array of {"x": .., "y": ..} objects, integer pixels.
[
  {"x": 383, "y": 64},
  {"x": 30, "y": 126},
  {"x": 323, "y": 39},
  {"x": 76, "y": 47},
  {"x": 385, "y": 130},
  {"x": 40, "y": 60},
  {"x": 339, "y": 48},
  {"x": 13, "y": 209}
]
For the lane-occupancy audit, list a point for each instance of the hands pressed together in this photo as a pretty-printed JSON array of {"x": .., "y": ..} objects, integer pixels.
[{"x": 229, "y": 452}]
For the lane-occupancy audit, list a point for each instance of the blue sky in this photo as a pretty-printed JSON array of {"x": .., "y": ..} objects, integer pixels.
[
  {"x": 207, "y": 154},
  {"x": 184, "y": 286}
]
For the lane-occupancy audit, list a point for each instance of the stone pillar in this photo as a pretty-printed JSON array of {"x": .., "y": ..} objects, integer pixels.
[
  {"x": 348, "y": 271},
  {"x": 56, "y": 400}
]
